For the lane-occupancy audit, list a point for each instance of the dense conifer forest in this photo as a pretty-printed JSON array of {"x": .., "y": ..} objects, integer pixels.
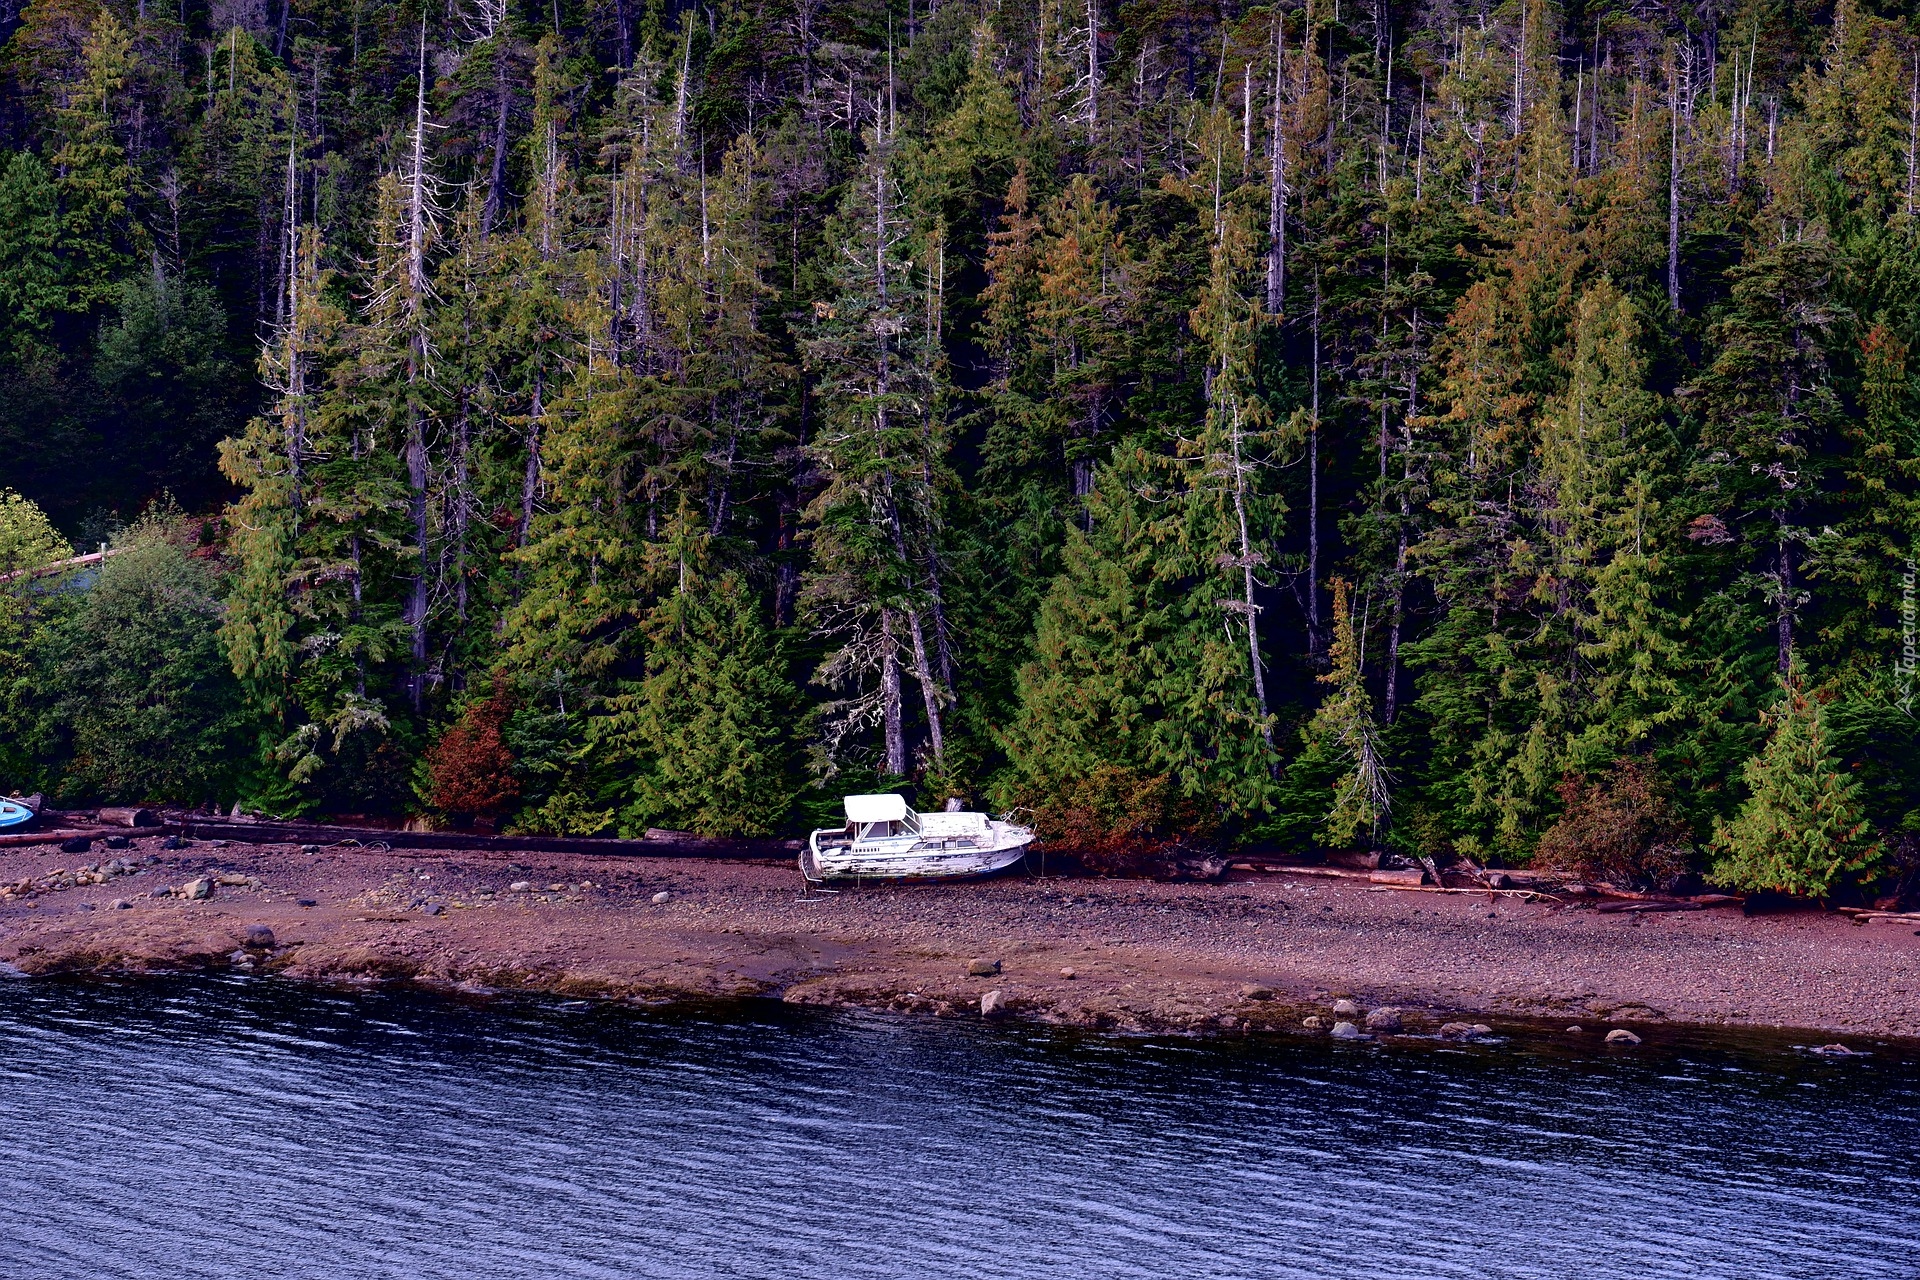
[{"x": 1479, "y": 429}]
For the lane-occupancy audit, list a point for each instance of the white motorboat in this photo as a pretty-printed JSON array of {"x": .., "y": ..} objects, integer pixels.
[{"x": 885, "y": 839}]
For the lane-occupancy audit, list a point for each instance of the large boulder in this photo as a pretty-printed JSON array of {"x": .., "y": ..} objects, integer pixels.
[{"x": 1386, "y": 1018}]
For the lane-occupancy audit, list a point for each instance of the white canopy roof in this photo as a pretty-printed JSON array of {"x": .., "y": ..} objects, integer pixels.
[{"x": 889, "y": 808}]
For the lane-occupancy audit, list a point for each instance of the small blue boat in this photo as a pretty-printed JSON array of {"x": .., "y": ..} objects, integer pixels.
[{"x": 13, "y": 815}]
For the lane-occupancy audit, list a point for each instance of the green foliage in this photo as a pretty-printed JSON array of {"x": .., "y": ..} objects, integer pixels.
[
  {"x": 166, "y": 380},
  {"x": 1135, "y": 710},
  {"x": 134, "y": 700},
  {"x": 1802, "y": 829},
  {"x": 1029, "y": 373},
  {"x": 1343, "y": 729},
  {"x": 33, "y": 285},
  {"x": 709, "y": 738}
]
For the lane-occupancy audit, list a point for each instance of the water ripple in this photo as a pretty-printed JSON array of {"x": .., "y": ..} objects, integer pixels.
[{"x": 216, "y": 1129}]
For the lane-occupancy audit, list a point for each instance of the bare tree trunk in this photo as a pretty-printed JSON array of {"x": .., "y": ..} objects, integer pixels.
[
  {"x": 530, "y": 483},
  {"x": 1313, "y": 489},
  {"x": 896, "y": 742},
  {"x": 415, "y": 285},
  {"x": 417, "y": 512},
  {"x": 1246, "y": 569},
  {"x": 1277, "y": 189},
  {"x": 1673, "y": 192},
  {"x": 930, "y": 689},
  {"x": 1783, "y": 588},
  {"x": 462, "y": 504},
  {"x": 497, "y": 174}
]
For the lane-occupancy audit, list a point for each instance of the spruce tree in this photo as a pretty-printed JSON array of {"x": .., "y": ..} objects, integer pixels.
[
  {"x": 94, "y": 178},
  {"x": 1802, "y": 829},
  {"x": 1135, "y": 711},
  {"x": 710, "y": 736},
  {"x": 33, "y": 278},
  {"x": 1343, "y": 730}
]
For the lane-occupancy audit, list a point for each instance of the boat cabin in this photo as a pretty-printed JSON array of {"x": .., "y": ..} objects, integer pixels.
[
  {"x": 881, "y": 818},
  {"x": 885, "y": 839}
]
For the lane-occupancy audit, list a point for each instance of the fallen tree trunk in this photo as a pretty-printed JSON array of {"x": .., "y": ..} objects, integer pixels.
[
  {"x": 130, "y": 818},
  {"x": 1434, "y": 888},
  {"x": 677, "y": 845},
  {"x": 16, "y": 838}
]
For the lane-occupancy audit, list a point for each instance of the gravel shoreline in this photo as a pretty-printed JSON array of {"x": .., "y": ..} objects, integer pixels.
[{"x": 1256, "y": 952}]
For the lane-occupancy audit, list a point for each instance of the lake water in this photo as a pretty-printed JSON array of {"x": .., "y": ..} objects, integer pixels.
[{"x": 251, "y": 1129}]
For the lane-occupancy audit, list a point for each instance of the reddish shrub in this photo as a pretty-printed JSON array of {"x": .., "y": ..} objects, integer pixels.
[
  {"x": 1619, "y": 829},
  {"x": 470, "y": 768},
  {"x": 1116, "y": 821}
]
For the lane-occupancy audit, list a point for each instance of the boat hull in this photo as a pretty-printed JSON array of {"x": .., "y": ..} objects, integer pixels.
[
  {"x": 919, "y": 860},
  {"x": 14, "y": 815}
]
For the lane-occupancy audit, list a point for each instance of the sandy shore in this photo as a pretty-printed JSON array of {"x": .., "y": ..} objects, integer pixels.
[{"x": 1143, "y": 956}]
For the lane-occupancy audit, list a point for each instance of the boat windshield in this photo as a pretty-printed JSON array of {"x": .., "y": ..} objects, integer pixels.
[{"x": 906, "y": 825}]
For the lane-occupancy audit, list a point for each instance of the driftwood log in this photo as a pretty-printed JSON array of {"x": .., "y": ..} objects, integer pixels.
[
  {"x": 130, "y": 818},
  {"x": 15, "y": 838},
  {"x": 671, "y": 845}
]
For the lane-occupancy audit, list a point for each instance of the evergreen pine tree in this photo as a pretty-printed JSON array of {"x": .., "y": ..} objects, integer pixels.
[
  {"x": 713, "y": 728},
  {"x": 1801, "y": 829},
  {"x": 1343, "y": 730},
  {"x": 91, "y": 169},
  {"x": 1135, "y": 712}
]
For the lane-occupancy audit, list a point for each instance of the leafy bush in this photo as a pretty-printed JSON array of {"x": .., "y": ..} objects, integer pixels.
[
  {"x": 470, "y": 771},
  {"x": 1113, "y": 819},
  {"x": 1619, "y": 829},
  {"x": 134, "y": 697}
]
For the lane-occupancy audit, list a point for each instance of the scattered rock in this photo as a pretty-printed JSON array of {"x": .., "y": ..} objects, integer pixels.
[
  {"x": 1068, "y": 973},
  {"x": 1254, "y": 991},
  {"x": 664, "y": 895},
  {"x": 1838, "y": 1051},
  {"x": 235, "y": 880},
  {"x": 86, "y": 906},
  {"x": 240, "y": 960},
  {"x": 118, "y": 842},
  {"x": 78, "y": 844},
  {"x": 1384, "y": 1019},
  {"x": 993, "y": 1004},
  {"x": 1313, "y": 1022},
  {"x": 160, "y": 892},
  {"x": 520, "y": 886},
  {"x": 1620, "y": 1035},
  {"x": 1228, "y": 1021},
  {"x": 1347, "y": 1031},
  {"x": 197, "y": 890},
  {"x": 173, "y": 842},
  {"x": 978, "y": 968},
  {"x": 309, "y": 849},
  {"x": 1345, "y": 1009},
  {"x": 260, "y": 937},
  {"x": 1574, "y": 1031},
  {"x": 121, "y": 904},
  {"x": 1456, "y": 1031},
  {"x": 1482, "y": 1029},
  {"x": 305, "y": 902},
  {"x": 433, "y": 908}
]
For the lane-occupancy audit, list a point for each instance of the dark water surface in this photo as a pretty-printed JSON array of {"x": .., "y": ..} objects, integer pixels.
[{"x": 232, "y": 1129}]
